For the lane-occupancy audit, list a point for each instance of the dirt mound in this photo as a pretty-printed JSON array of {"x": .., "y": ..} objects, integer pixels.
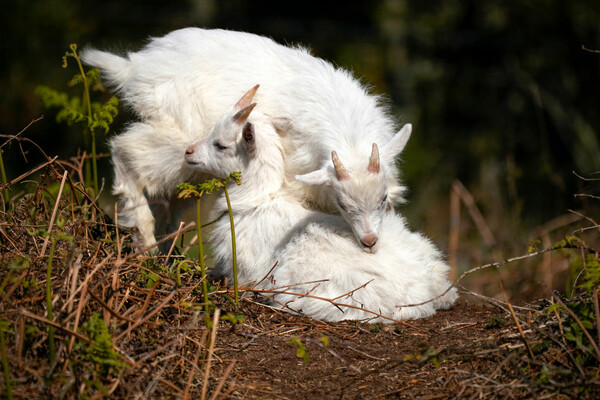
[{"x": 84, "y": 316}]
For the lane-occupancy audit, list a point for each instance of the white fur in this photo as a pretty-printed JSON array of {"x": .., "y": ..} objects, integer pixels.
[
  {"x": 190, "y": 77},
  {"x": 148, "y": 165},
  {"x": 311, "y": 246}
]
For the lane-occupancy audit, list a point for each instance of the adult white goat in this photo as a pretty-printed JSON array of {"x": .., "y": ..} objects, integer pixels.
[
  {"x": 271, "y": 226},
  {"x": 189, "y": 77}
]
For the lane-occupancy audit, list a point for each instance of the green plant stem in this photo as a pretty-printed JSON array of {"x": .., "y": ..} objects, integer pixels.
[
  {"x": 233, "y": 251},
  {"x": 178, "y": 275},
  {"x": 51, "y": 353},
  {"x": 88, "y": 105},
  {"x": 4, "y": 181},
  {"x": 5, "y": 366},
  {"x": 201, "y": 256},
  {"x": 94, "y": 162}
]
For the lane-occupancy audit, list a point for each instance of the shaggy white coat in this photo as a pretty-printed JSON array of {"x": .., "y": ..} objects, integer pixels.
[
  {"x": 188, "y": 78},
  {"x": 315, "y": 252}
]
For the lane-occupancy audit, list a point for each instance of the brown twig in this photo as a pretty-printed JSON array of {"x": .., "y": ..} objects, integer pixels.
[
  {"x": 54, "y": 211},
  {"x": 26, "y": 174},
  {"x": 516, "y": 321},
  {"x": 13, "y": 137},
  {"x": 186, "y": 393},
  {"x": 595, "y": 224},
  {"x": 74, "y": 272},
  {"x": 108, "y": 308},
  {"x": 155, "y": 311},
  {"x": 333, "y": 302},
  {"x": 82, "y": 302},
  {"x": 211, "y": 348},
  {"x": 219, "y": 387},
  {"x": 351, "y": 292},
  {"x": 87, "y": 279},
  {"x": 174, "y": 243},
  {"x": 148, "y": 298},
  {"x": 507, "y": 261},
  {"x": 11, "y": 241},
  {"x": 31, "y": 315},
  {"x": 141, "y": 252},
  {"x": 15, "y": 285},
  {"x": 585, "y": 179},
  {"x": 266, "y": 275},
  {"x": 589, "y": 196},
  {"x": 589, "y": 50}
]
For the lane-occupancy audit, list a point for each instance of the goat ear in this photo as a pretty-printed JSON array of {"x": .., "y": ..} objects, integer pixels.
[
  {"x": 248, "y": 135},
  {"x": 396, "y": 144},
  {"x": 282, "y": 125},
  {"x": 318, "y": 177}
]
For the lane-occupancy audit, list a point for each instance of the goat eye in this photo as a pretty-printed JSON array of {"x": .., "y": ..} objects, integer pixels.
[
  {"x": 343, "y": 207},
  {"x": 384, "y": 200},
  {"x": 219, "y": 146}
]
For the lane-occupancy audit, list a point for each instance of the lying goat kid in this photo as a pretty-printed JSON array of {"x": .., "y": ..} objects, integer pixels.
[{"x": 315, "y": 252}]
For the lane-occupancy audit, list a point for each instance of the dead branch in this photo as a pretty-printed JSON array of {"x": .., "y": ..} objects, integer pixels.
[
  {"x": 211, "y": 348},
  {"x": 517, "y": 323}
]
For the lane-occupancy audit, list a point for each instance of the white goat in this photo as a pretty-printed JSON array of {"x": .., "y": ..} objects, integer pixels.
[
  {"x": 189, "y": 78},
  {"x": 271, "y": 226}
]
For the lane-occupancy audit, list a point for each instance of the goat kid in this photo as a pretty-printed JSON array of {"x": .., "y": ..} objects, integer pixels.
[
  {"x": 191, "y": 76},
  {"x": 316, "y": 255}
]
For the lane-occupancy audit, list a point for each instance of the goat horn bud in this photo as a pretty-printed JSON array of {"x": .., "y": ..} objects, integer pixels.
[
  {"x": 374, "y": 161},
  {"x": 246, "y": 98},
  {"x": 340, "y": 171},
  {"x": 241, "y": 116}
]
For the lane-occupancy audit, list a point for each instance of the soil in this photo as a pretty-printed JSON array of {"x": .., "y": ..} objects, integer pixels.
[
  {"x": 470, "y": 351},
  {"x": 360, "y": 360}
]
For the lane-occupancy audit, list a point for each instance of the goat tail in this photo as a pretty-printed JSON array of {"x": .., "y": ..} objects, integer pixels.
[{"x": 115, "y": 68}]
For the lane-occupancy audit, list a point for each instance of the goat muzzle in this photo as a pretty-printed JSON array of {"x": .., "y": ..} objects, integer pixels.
[{"x": 369, "y": 241}]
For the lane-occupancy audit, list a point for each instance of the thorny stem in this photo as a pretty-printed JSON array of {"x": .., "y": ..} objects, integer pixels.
[
  {"x": 5, "y": 366},
  {"x": 51, "y": 353},
  {"x": 201, "y": 256},
  {"x": 233, "y": 251}
]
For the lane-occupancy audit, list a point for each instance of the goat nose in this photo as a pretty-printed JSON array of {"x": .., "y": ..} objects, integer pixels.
[
  {"x": 369, "y": 240},
  {"x": 189, "y": 150}
]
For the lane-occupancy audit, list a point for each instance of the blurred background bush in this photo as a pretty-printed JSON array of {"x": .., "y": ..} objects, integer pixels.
[{"x": 502, "y": 95}]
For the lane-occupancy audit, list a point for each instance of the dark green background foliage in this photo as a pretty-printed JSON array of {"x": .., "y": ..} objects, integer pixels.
[{"x": 501, "y": 94}]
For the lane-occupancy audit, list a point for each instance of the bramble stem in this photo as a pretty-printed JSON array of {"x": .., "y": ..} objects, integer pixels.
[{"x": 233, "y": 251}]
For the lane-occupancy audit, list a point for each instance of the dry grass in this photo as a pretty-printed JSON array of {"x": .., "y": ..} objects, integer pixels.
[{"x": 129, "y": 326}]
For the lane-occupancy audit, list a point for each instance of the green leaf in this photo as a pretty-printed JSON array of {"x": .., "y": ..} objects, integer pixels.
[
  {"x": 553, "y": 307},
  {"x": 534, "y": 245}
]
